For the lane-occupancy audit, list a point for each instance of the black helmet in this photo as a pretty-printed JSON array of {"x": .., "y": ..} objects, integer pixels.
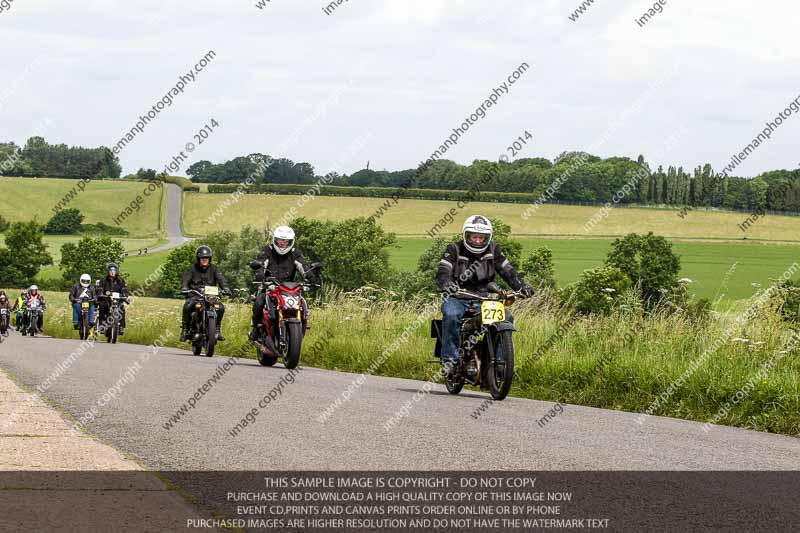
[
  {"x": 112, "y": 266},
  {"x": 203, "y": 251}
]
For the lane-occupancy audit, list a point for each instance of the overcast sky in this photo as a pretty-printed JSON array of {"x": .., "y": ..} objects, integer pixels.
[{"x": 404, "y": 73}]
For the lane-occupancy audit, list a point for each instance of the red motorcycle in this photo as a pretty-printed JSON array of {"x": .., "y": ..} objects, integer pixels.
[{"x": 282, "y": 334}]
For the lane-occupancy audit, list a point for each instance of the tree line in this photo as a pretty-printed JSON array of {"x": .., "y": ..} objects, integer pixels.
[
  {"x": 38, "y": 158},
  {"x": 591, "y": 179}
]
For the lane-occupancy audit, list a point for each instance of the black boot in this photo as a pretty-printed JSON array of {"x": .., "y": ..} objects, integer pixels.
[
  {"x": 219, "y": 333},
  {"x": 255, "y": 333},
  {"x": 184, "y": 333}
]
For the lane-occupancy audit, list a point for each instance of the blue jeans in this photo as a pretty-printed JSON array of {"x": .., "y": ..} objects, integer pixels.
[
  {"x": 76, "y": 311},
  {"x": 453, "y": 310}
]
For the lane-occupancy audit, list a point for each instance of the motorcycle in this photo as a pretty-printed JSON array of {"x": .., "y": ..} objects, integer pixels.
[
  {"x": 203, "y": 323},
  {"x": 4, "y": 322},
  {"x": 84, "y": 326},
  {"x": 486, "y": 348},
  {"x": 30, "y": 317},
  {"x": 111, "y": 324},
  {"x": 282, "y": 335}
]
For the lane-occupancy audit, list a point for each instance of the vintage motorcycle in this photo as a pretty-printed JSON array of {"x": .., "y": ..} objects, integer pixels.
[
  {"x": 30, "y": 317},
  {"x": 110, "y": 326},
  {"x": 486, "y": 349},
  {"x": 203, "y": 324},
  {"x": 282, "y": 335}
]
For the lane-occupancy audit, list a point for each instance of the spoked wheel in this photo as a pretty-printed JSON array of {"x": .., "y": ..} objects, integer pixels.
[
  {"x": 500, "y": 373},
  {"x": 211, "y": 336},
  {"x": 454, "y": 384},
  {"x": 83, "y": 330},
  {"x": 265, "y": 360},
  {"x": 113, "y": 333}
]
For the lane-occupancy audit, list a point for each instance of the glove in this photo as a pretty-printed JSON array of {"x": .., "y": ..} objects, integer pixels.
[{"x": 527, "y": 291}]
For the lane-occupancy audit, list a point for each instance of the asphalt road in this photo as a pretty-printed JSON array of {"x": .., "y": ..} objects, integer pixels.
[
  {"x": 437, "y": 434},
  {"x": 174, "y": 235}
]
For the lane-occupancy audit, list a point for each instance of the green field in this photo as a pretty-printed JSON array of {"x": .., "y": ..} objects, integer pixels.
[
  {"x": 416, "y": 217},
  {"x": 23, "y": 199}
]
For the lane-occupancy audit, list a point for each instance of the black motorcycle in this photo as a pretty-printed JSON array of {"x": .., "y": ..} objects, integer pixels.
[
  {"x": 282, "y": 335},
  {"x": 203, "y": 322},
  {"x": 111, "y": 322},
  {"x": 486, "y": 347}
]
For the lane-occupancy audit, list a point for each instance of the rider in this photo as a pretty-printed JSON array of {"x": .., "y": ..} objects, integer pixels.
[
  {"x": 5, "y": 303},
  {"x": 105, "y": 286},
  {"x": 282, "y": 261},
  {"x": 19, "y": 303},
  {"x": 33, "y": 294},
  {"x": 83, "y": 289},
  {"x": 465, "y": 272},
  {"x": 199, "y": 275}
]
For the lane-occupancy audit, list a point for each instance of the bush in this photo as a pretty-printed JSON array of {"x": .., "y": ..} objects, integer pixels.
[
  {"x": 649, "y": 262},
  {"x": 597, "y": 291},
  {"x": 353, "y": 252},
  {"x": 65, "y": 222},
  {"x": 24, "y": 255},
  {"x": 538, "y": 269},
  {"x": 376, "y": 192},
  {"x": 102, "y": 229},
  {"x": 788, "y": 296},
  {"x": 89, "y": 256},
  {"x": 184, "y": 183},
  {"x": 178, "y": 260}
]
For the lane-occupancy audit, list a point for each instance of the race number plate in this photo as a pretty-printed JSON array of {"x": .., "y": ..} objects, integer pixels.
[
  {"x": 212, "y": 291},
  {"x": 492, "y": 312},
  {"x": 85, "y": 305}
]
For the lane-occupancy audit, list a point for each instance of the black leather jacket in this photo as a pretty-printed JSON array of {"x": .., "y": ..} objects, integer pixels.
[
  {"x": 77, "y": 290},
  {"x": 464, "y": 274},
  {"x": 116, "y": 284},
  {"x": 283, "y": 267},
  {"x": 196, "y": 278}
]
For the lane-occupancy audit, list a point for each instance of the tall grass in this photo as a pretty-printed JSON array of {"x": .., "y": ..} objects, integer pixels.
[{"x": 624, "y": 361}]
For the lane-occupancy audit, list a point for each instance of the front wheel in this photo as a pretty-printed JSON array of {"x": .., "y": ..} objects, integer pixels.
[
  {"x": 211, "y": 335},
  {"x": 501, "y": 366},
  {"x": 83, "y": 329},
  {"x": 294, "y": 332},
  {"x": 454, "y": 384}
]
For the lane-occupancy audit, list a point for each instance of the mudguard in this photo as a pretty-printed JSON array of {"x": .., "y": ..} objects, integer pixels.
[{"x": 503, "y": 326}]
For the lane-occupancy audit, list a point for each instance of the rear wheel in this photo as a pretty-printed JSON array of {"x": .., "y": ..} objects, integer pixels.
[
  {"x": 211, "y": 335},
  {"x": 500, "y": 373},
  {"x": 294, "y": 341}
]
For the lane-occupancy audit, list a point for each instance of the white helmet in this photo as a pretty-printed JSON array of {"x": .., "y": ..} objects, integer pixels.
[
  {"x": 477, "y": 224},
  {"x": 86, "y": 279},
  {"x": 283, "y": 233}
]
